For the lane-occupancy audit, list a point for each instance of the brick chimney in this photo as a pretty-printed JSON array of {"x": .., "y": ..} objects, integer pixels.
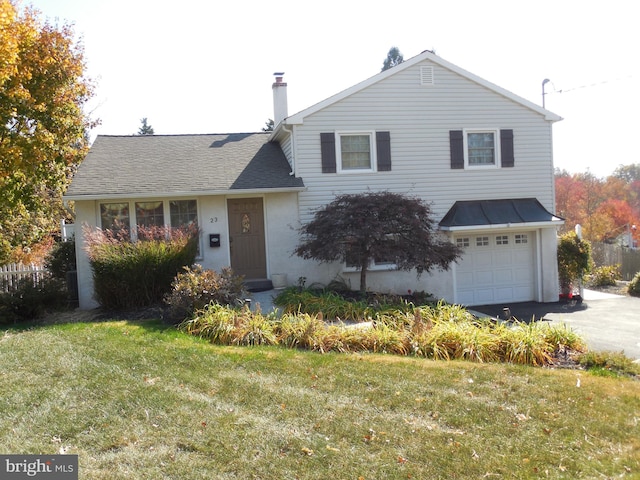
[{"x": 280, "y": 108}]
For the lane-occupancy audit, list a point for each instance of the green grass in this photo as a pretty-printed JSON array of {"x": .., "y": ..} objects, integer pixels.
[{"x": 141, "y": 401}]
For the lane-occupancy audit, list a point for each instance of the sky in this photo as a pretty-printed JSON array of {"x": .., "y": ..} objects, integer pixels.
[{"x": 206, "y": 66}]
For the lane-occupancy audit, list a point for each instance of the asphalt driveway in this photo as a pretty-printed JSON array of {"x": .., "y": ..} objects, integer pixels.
[{"x": 607, "y": 322}]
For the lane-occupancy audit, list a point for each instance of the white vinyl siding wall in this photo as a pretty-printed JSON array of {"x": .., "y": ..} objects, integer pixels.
[{"x": 419, "y": 119}]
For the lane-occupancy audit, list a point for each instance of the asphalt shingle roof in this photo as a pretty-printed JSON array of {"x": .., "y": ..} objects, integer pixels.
[{"x": 181, "y": 164}]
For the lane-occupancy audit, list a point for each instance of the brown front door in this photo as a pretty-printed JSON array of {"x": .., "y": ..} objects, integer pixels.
[{"x": 246, "y": 237}]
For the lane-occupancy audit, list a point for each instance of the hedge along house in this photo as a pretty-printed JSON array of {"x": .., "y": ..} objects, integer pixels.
[{"x": 478, "y": 154}]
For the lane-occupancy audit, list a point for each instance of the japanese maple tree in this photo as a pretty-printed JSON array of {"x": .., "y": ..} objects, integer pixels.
[{"x": 358, "y": 229}]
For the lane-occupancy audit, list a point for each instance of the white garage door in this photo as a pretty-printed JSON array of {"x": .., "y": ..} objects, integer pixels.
[{"x": 496, "y": 268}]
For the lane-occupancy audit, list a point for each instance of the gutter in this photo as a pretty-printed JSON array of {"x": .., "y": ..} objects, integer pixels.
[
  {"x": 165, "y": 194},
  {"x": 522, "y": 225}
]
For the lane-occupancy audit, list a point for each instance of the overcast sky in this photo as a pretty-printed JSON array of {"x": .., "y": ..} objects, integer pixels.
[{"x": 198, "y": 66}]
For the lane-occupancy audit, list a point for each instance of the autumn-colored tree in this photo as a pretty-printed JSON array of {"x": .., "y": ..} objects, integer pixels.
[
  {"x": 43, "y": 129},
  {"x": 620, "y": 214},
  {"x": 362, "y": 228},
  {"x": 630, "y": 175},
  {"x": 570, "y": 194},
  {"x": 604, "y": 207}
]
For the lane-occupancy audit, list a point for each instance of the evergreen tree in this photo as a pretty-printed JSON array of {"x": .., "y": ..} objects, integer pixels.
[
  {"x": 394, "y": 57},
  {"x": 268, "y": 126},
  {"x": 145, "y": 129}
]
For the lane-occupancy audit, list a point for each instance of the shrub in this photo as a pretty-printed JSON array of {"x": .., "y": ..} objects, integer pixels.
[
  {"x": 61, "y": 259},
  {"x": 634, "y": 286},
  {"x": 129, "y": 274},
  {"x": 574, "y": 259},
  {"x": 605, "y": 275},
  {"x": 196, "y": 287},
  {"x": 31, "y": 299}
]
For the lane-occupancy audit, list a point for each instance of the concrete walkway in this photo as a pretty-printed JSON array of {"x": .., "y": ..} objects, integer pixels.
[{"x": 264, "y": 299}]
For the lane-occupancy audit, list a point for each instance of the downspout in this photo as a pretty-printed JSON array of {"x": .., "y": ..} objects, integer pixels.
[{"x": 293, "y": 149}]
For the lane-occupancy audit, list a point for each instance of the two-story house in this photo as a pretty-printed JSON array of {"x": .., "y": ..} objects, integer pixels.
[{"x": 479, "y": 155}]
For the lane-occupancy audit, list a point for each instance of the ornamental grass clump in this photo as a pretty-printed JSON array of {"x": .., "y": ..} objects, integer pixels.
[
  {"x": 222, "y": 325},
  {"x": 131, "y": 273},
  {"x": 444, "y": 332},
  {"x": 300, "y": 331}
]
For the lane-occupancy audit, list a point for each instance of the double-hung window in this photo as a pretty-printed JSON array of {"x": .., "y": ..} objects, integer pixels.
[
  {"x": 355, "y": 152},
  {"x": 481, "y": 148}
]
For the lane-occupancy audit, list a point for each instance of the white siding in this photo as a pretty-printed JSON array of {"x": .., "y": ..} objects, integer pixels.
[{"x": 419, "y": 119}]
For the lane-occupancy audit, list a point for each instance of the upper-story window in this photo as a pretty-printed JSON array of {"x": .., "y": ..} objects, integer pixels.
[
  {"x": 354, "y": 152},
  {"x": 481, "y": 148}
]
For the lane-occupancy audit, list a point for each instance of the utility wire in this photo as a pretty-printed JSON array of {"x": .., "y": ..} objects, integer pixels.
[{"x": 596, "y": 84}]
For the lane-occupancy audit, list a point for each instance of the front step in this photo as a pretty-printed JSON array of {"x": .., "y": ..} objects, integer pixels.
[{"x": 258, "y": 284}]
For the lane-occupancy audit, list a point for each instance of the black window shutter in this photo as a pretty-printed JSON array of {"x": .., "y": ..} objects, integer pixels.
[
  {"x": 383, "y": 151},
  {"x": 506, "y": 148},
  {"x": 328, "y": 152},
  {"x": 456, "y": 145}
]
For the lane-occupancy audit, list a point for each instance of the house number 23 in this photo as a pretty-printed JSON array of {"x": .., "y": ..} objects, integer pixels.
[{"x": 213, "y": 220}]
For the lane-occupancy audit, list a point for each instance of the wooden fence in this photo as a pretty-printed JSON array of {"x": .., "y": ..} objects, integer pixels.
[
  {"x": 608, "y": 254},
  {"x": 11, "y": 275}
]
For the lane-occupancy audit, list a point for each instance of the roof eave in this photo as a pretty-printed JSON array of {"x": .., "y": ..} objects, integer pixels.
[{"x": 181, "y": 194}]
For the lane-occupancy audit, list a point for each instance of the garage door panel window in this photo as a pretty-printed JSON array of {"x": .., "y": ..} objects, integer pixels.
[
  {"x": 502, "y": 239},
  {"x": 462, "y": 242},
  {"x": 482, "y": 241},
  {"x": 521, "y": 239}
]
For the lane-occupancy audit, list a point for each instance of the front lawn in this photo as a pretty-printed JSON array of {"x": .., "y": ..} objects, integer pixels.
[{"x": 138, "y": 400}]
